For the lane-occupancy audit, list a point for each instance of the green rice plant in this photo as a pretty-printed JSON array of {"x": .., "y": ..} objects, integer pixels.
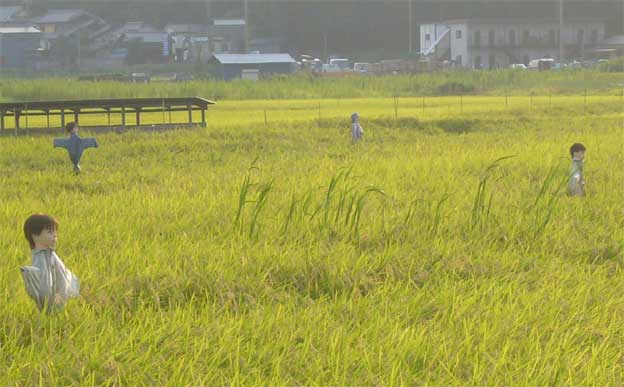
[
  {"x": 261, "y": 200},
  {"x": 437, "y": 216},
  {"x": 359, "y": 208},
  {"x": 335, "y": 181},
  {"x": 242, "y": 200},
  {"x": 290, "y": 216},
  {"x": 546, "y": 200},
  {"x": 482, "y": 205},
  {"x": 199, "y": 269}
]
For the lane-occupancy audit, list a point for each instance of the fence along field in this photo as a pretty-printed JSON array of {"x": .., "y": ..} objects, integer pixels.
[
  {"x": 422, "y": 108},
  {"x": 248, "y": 253}
]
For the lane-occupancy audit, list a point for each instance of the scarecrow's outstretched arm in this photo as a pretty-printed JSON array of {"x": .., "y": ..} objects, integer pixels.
[
  {"x": 89, "y": 143},
  {"x": 61, "y": 143}
]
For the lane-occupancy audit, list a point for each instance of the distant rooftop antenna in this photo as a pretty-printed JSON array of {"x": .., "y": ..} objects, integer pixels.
[{"x": 561, "y": 39}]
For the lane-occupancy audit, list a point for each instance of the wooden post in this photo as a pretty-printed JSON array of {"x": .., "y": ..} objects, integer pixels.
[
  {"x": 76, "y": 111},
  {"x": 48, "y": 118},
  {"x": 163, "y": 111},
  {"x": 123, "y": 117},
  {"x": 203, "y": 117},
  {"x": 62, "y": 120},
  {"x": 108, "y": 116},
  {"x": 138, "y": 116},
  {"x": 319, "y": 113},
  {"x": 26, "y": 111},
  {"x": 190, "y": 114},
  {"x": 396, "y": 107},
  {"x": 16, "y": 114},
  {"x": 2, "y": 120}
]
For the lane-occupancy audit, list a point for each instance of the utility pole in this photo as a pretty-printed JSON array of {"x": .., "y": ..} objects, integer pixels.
[
  {"x": 245, "y": 6},
  {"x": 561, "y": 34},
  {"x": 411, "y": 27},
  {"x": 324, "y": 59},
  {"x": 79, "y": 34},
  {"x": 208, "y": 14}
]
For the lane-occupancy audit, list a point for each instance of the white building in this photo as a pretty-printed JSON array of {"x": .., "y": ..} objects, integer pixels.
[{"x": 495, "y": 43}]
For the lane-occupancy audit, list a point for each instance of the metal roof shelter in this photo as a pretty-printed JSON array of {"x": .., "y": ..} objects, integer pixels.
[
  {"x": 253, "y": 58},
  {"x": 76, "y": 108},
  {"x": 232, "y": 66}
]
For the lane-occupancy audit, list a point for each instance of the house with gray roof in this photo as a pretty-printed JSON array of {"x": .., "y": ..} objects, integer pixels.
[{"x": 10, "y": 15}]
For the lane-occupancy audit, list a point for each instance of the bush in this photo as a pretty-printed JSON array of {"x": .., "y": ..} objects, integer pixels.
[
  {"x": 613, "y": 66},
  {"x": 451, "y": 88}
]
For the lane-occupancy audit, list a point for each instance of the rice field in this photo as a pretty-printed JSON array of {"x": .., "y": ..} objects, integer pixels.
[{"x": 441, "y": 250}]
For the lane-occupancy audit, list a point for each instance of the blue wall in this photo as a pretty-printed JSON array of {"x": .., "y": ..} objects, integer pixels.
[
  {"x": 234, "y": 71},
  {"x": 18, "y": 50}
]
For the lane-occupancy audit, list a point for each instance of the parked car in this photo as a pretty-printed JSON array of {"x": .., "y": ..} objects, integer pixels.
[
  {"x": 140, "y": 78},
  {"x": 541, "y": 64},
  {"x": 331, "y": 68},
  {"x": 181, "y": 77},
  {"x": 342, "y": 64},
  {"x": 361, "y": 67},
  {"x": 518, "y": 66}
]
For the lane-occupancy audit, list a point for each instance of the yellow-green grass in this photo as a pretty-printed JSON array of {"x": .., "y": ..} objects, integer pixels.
[
  {"x": 374, "y": 264},
  {"x": 499, "y": 82}
]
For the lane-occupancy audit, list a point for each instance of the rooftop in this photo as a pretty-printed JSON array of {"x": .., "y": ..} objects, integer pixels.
[
  {"x": 184, "y": 28},
  {"x": 18, "y": 30},
  {"x": 617, "y": 40},
  {"x": 59, "y": 16},
  {"x": 229, "y": 22},
  {"x": 517, "y": 20}
]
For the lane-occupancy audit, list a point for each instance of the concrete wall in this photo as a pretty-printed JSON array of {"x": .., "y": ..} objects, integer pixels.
[
  {"x": 459, "y": 44},
  {"x": 431, "y": 31},
  {"x": 494, "y": 45}
]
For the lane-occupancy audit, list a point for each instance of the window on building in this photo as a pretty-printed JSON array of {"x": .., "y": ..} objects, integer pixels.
[
  {"x": 477, "y": 62},
  {"x": 594, "y": 36},
  {"x": 458, "y": 34},
  {"x": 580, "y": 36},
  {"x": 491, "y": 39},
  {"x": 552, "y": 38},
  {"x": 512, "y": 38},
  {"x": 526, "y": 34},
  {"x": 427, "y": 37},
  {"x": 477, "y": 38},
  {"x": 458, "y": 60},
  {"x": 492, "y": 62}
]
